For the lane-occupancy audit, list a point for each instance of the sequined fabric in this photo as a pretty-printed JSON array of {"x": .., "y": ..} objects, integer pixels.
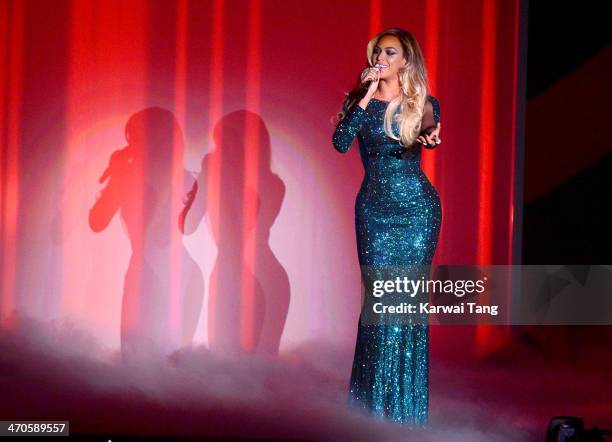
[{"x": 397, "y": 219}]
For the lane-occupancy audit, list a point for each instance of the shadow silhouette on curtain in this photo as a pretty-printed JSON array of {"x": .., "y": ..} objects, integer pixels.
[
  {"x": 163, "y": 286},
  {"x": 245, "y": 265}
]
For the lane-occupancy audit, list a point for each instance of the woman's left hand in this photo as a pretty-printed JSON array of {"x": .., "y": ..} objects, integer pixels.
[{"x": 432, "y": 138}]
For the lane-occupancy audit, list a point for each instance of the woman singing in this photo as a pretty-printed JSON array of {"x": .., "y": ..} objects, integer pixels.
[{"x": 397, "y": 217}]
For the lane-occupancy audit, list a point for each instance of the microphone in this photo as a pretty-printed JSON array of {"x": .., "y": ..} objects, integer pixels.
[{"x": 365, "y": 87}]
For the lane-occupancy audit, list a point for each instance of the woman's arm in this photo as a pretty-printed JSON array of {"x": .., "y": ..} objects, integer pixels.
[
  {"x": 109, "y": 199},
  {"x": 106, "y": 205},
  {"x": 196, "y": 202},
  {"x": 430, "y": 124},
  {"x": 347, "y": 129}
]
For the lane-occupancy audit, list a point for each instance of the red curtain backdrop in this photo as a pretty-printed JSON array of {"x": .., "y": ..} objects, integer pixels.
[{"x": 266, "y": 77}]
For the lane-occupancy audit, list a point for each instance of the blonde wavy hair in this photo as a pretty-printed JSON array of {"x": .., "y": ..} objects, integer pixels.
[{"x": 413, "y": 85}]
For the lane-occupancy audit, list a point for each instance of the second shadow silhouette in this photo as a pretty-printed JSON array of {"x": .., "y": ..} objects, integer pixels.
[{"x": 249, "y": 288}]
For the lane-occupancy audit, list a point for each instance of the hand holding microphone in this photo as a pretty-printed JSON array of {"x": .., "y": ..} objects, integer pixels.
[
  {"x": 370, "y": 78},
  {"x": 118, "y": 164}
]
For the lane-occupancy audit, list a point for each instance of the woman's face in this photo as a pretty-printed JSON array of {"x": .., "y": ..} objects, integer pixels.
[{"x": 389, "y": 55}]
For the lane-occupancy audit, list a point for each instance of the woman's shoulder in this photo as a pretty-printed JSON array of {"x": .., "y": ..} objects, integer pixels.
[{"x": 433, "y": 100}]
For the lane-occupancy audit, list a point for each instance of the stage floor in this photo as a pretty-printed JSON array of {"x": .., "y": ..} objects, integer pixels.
[{"x": 60, "y": 373}]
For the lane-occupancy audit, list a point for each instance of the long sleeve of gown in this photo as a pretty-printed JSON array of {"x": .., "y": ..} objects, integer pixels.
[
  {"x": 431, "y": 116},
  {"x": 347, "y": 129}
]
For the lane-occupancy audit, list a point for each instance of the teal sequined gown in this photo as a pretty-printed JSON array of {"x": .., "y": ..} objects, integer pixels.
[{"x": 397, "y": 218}]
